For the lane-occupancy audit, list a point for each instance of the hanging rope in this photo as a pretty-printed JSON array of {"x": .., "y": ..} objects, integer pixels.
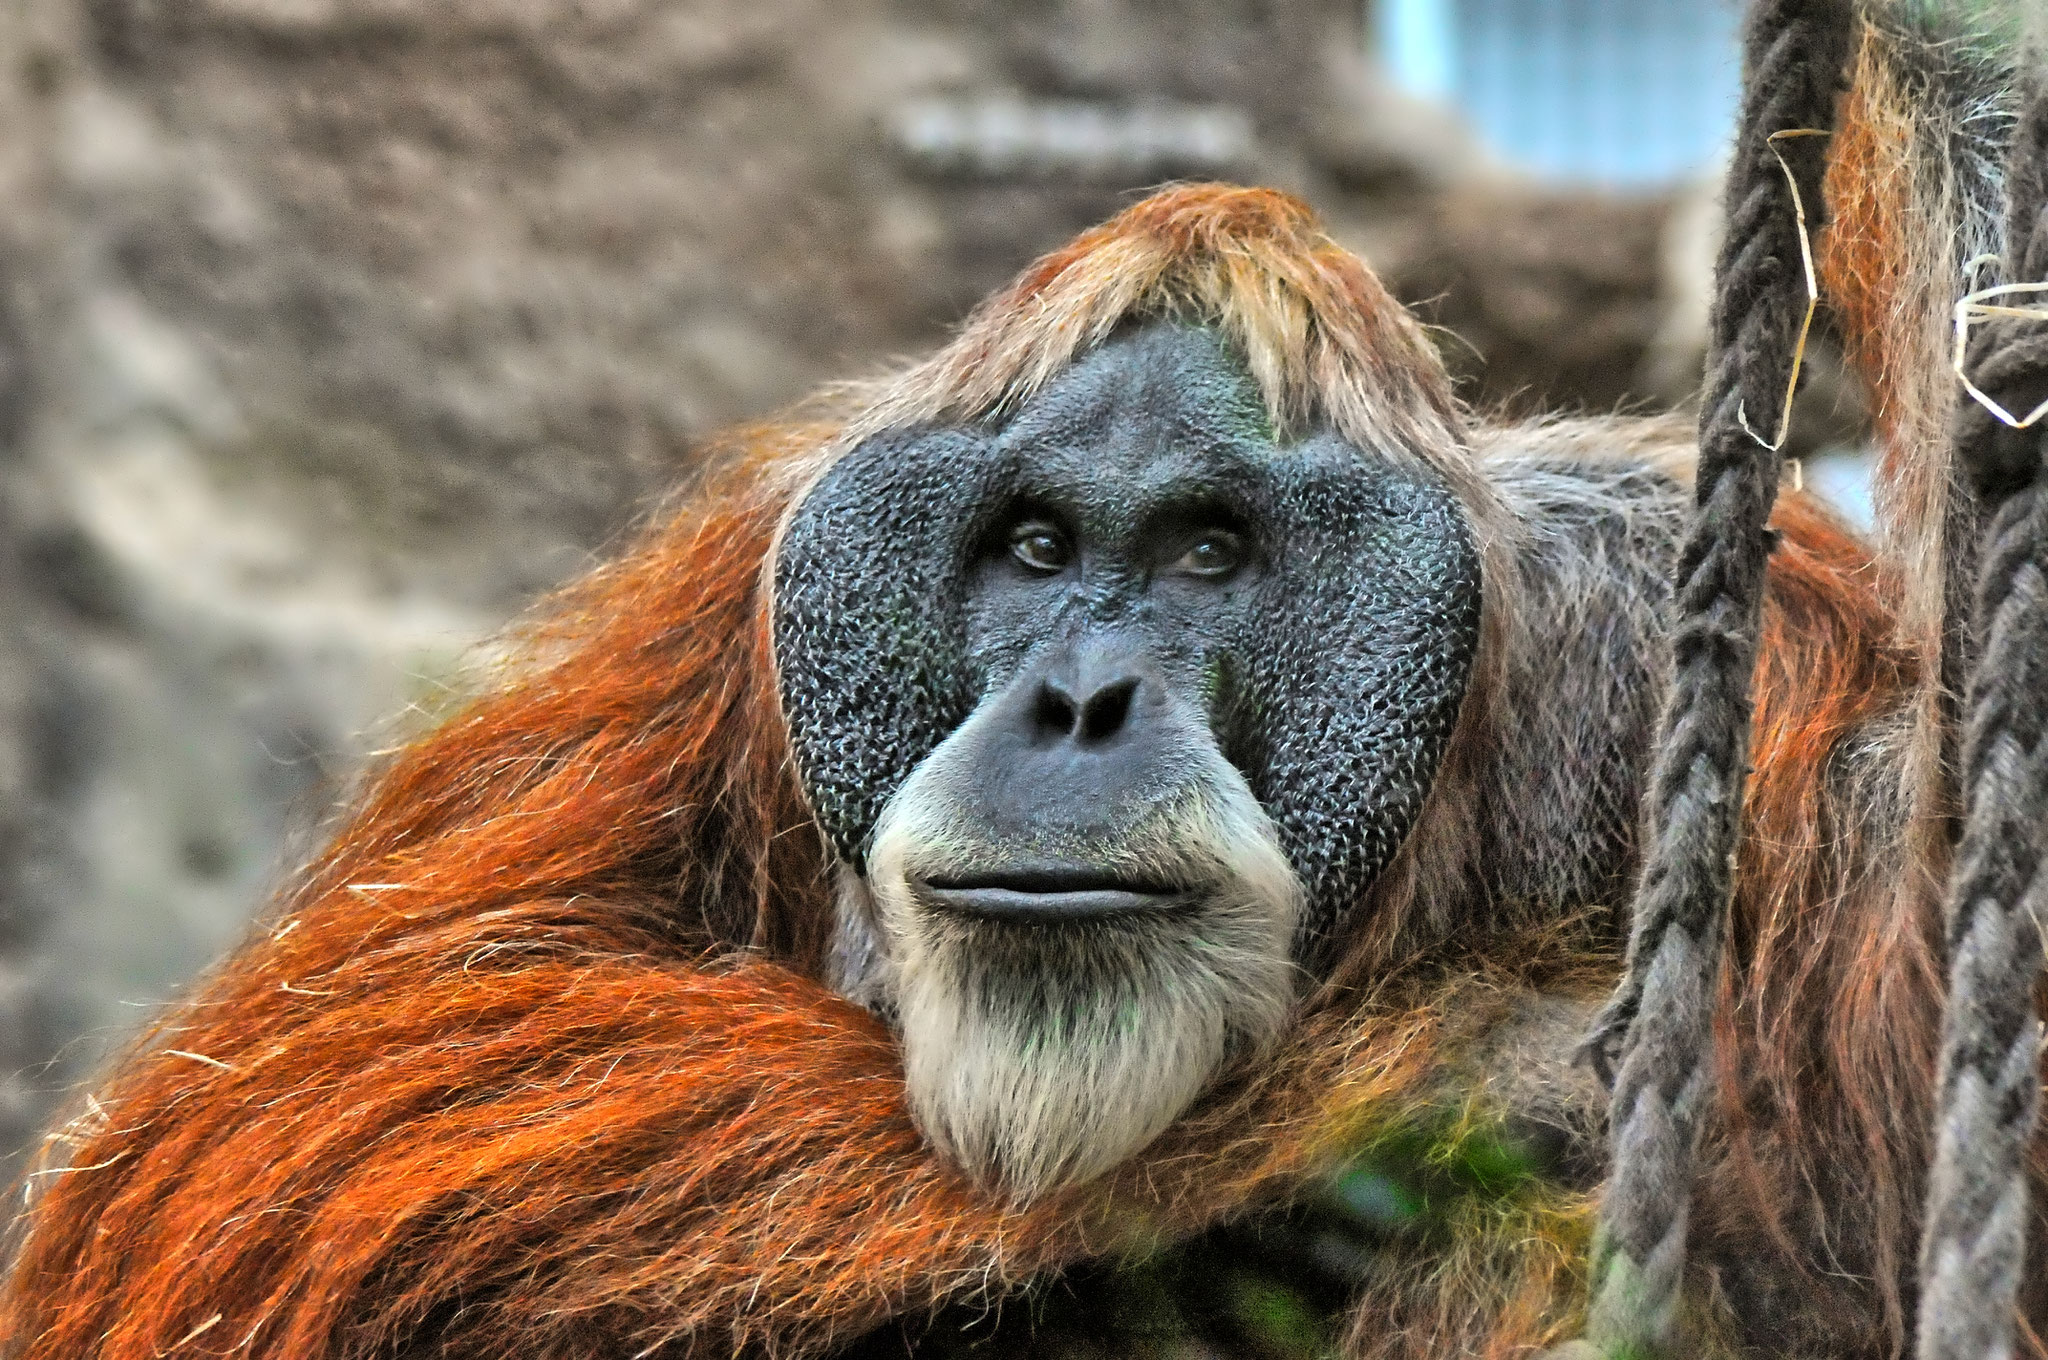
[
  {"x": 1973, "y": 1251},
  {"x": 1653, "y": 1040}
]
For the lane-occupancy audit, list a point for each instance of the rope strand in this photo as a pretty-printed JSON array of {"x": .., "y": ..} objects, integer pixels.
[
  {"x": 1654, "y": 1038},
  {"x": 1973, "y": 1249}
]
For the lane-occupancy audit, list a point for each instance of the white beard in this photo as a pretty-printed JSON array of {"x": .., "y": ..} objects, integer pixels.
[{"x": 1038, "y": 1056}]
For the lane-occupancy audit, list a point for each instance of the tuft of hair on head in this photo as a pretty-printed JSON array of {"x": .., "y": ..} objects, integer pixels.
[{"x": 1322, "y": 337}]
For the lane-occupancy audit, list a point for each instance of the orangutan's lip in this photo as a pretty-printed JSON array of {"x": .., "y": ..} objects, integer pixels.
[{"x": 1047, "y": 894}]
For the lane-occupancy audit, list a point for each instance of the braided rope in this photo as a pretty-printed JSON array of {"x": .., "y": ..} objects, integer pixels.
[
  {"x": 1973, "y": 1251},
  {"x": 1659, "y": 1022}
]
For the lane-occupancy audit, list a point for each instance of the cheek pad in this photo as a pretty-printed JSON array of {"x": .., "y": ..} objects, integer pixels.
[
  {"x": 1357, "y": 678},
  {"x": 868, "y": 629},
  {"x": 1353, "y": 673}
]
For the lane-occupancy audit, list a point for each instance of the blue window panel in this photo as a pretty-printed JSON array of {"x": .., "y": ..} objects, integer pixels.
[
  {"x": 1419, "y": 39},
  {"x": 1619, "y": 92}
]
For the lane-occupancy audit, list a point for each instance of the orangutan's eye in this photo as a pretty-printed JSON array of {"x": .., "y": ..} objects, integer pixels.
[
  {"x": 1214, "y": 555},
  {"x": 1040, "y": 545}
]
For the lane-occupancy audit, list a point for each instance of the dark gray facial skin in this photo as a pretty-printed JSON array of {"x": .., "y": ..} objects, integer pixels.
[{"x": 1122, "y": 580}]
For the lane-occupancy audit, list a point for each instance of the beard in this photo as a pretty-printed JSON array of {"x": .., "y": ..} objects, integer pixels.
[{"x": 1042, "y": 1055}]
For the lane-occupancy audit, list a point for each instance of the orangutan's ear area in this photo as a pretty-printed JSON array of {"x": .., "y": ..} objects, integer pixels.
[{"x": 1114, "y": 706}]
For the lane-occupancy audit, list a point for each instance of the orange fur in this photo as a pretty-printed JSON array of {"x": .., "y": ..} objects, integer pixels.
[
  {"x": 1862, "y": 261},
  {"x": 485, "y": 1081},
  {"x": 1825, "y": 1030},
  {"x": 1904, "y": 217}
]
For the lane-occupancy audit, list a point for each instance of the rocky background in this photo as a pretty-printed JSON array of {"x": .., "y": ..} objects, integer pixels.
[{"x": 333, "y": 331}]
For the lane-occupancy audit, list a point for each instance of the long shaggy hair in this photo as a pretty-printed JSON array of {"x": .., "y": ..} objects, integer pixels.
[{"x": 536, "y": 1059}]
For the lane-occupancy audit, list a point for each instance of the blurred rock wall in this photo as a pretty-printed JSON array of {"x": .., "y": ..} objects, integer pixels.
[{"x": 331, "y": 331}]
